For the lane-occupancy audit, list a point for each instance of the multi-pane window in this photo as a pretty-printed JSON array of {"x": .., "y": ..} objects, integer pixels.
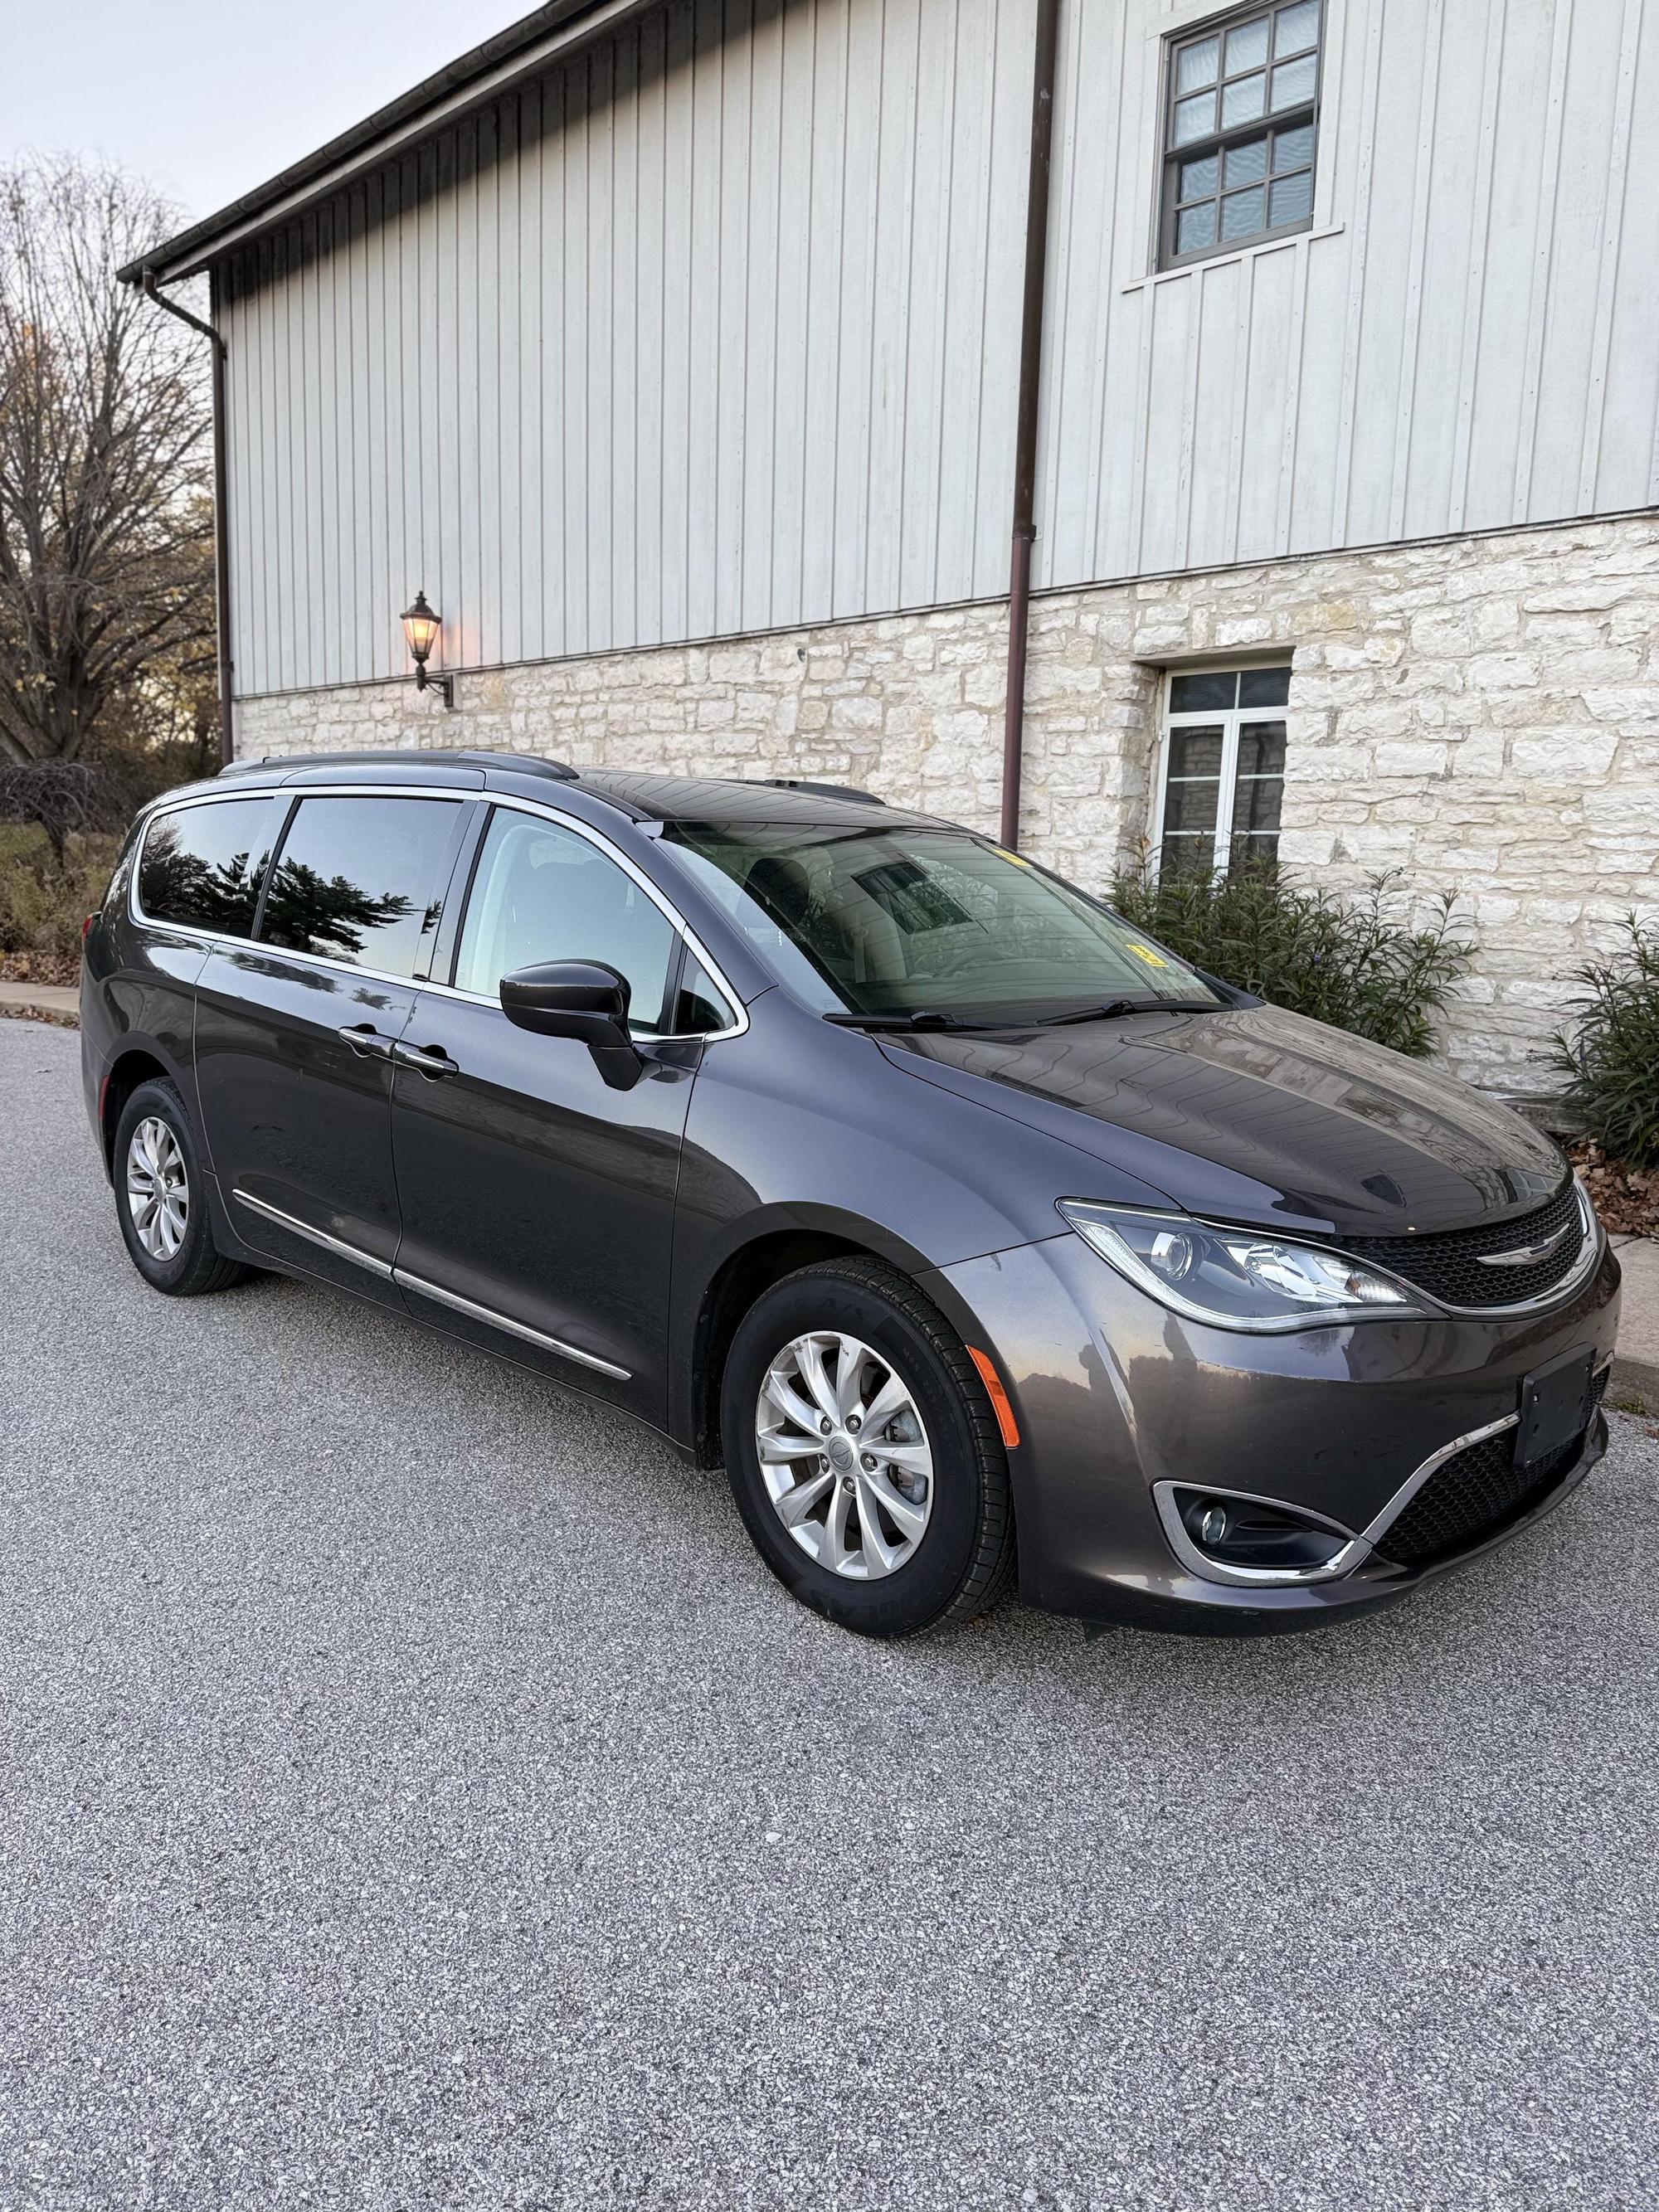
[
  {"x": 1240, "y": 131},
  {"x": 1224, "y": 770}
]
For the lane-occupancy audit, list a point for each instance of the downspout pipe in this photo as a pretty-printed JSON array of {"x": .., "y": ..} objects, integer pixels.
[
  {"x": 1025, "y": 429},
  {"x": 221, "y": 508}
]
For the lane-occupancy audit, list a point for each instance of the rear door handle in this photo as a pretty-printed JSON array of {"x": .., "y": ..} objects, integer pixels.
[
  {"x": 367, "y": 1041},
  {"x": 430, "y": 1059}
]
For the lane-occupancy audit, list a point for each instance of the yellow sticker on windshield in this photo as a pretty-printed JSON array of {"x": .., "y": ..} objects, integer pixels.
[
  {"x": 1145, "y": 952},
  {"x": 1018, "y": 858}
]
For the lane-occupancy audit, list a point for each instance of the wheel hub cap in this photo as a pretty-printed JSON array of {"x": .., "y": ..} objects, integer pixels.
[
  {"x": 844, "y": 1456},
  {"x": 158, "y": 1189}
]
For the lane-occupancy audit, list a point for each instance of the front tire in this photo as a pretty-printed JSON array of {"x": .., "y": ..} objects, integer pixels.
[
  {"x": 863, "y": 1452},
  {"x": 161, "y": 1198}
]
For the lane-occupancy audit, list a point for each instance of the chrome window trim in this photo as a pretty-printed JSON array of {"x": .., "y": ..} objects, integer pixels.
[
  {"x": 737, "y": 1027},
  {"x": 405, "y": 1281},
  {"x": 1354, "y": 1554}
]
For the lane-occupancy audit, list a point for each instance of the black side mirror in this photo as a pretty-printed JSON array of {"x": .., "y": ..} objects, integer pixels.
[{"x": 581, "y": 999}]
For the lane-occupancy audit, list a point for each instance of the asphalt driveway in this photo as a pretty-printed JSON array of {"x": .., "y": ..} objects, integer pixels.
[{"x": 413, "y": 1792}]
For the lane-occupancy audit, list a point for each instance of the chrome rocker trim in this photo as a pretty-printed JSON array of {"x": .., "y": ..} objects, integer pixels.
[
  {"x": 405, "y": 1281},
  {"x": 338, "y": 1245},
  {"x": 475, "y": 1312}
]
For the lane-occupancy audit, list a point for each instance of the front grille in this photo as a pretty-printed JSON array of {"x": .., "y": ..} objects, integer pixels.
[
  {"x": 1447, "y": 1265},
  {"x": 1476, "y": 1492}
]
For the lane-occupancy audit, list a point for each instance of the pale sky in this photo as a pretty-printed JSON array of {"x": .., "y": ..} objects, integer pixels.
[{"x": 207, "y": 98}]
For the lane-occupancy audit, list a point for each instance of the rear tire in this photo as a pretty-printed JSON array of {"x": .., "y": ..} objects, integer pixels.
[
  {"x": 161, "y": 1198},
  {"x": 929, "y": 1472}
]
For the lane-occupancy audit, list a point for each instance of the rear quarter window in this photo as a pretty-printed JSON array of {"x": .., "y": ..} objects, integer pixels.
[{"x": 201, "y": 867}]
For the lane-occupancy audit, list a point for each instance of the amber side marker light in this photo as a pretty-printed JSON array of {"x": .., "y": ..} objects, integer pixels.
[{"x": 997, "y": 1395}]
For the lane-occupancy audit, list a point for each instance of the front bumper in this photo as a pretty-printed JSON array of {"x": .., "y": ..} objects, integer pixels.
[{"x": 1114, "y": 1394}]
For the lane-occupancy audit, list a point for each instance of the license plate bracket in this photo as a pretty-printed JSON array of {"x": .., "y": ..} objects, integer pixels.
[{"x": 1555, "y": 1406}]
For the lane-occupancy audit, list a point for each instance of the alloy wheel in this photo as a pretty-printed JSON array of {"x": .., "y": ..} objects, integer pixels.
[
  {"x": 158, "y": 1189},
  {"x": 844, "y": 1456}
]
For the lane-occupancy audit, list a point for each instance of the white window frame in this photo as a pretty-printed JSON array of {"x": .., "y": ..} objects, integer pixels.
[{"x": 1231, "y": 719}]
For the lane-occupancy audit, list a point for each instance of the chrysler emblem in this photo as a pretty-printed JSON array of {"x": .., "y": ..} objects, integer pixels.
[{"x": 1524, "y": 1255}]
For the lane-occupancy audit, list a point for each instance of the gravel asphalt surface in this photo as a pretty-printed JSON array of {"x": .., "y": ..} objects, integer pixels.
[{"x": 414, "y": 1792}]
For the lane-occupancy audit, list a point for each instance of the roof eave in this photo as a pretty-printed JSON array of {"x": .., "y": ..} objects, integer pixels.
[{"x": 472, "y": 81}]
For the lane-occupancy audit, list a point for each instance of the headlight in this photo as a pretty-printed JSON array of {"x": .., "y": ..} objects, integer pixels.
[{"x": 1235, "y": 1278}]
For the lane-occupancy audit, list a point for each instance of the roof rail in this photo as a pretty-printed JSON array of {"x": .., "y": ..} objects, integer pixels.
[
  {"x": 431, "y": 755},
  {"x": 821, "y": 790}
]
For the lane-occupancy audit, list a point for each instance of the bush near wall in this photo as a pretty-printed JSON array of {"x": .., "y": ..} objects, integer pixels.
[
  {"x": 1612, "y": 1058},
  {"x": 1359, "y": 965}
]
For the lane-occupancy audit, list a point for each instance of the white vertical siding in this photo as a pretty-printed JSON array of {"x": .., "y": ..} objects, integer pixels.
[
  {"x": 1469, "y": 338},
  {"x": 715, "y": 329}
]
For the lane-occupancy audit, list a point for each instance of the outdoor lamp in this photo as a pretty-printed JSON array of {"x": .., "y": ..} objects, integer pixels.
[{"x": 421, "y": 628}]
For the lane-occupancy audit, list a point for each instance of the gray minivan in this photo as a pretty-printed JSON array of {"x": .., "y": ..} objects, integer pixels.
[{"x": 977, "y": 1235}]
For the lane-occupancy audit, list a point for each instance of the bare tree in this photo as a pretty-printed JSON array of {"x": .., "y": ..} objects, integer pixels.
[{"x": 106, "y": 514}]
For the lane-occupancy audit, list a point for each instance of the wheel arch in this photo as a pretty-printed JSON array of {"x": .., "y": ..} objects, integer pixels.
[
  {"x": 773, "y": 1246},
  {"x": 133, "y": 1064}
]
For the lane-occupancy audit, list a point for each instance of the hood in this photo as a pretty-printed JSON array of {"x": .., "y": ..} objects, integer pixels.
[{"x": 1258, "y": 1115}]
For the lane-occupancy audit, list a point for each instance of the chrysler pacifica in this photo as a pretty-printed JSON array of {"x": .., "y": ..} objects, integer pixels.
[{"x": 973, "y": 1232}]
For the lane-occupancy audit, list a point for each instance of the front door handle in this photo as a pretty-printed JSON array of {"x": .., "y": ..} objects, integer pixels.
[
  {"x": 367, "y": 1041},
  {"x": 430, "y": 1059}
]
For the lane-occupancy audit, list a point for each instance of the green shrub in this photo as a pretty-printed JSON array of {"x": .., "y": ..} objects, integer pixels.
[
  {"x": 1359, "y": 965},
  {"x": 1613, "y": 1059}
]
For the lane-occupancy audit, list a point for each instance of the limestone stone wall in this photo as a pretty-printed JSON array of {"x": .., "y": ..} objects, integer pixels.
[{"x": 1481, "y": 712}]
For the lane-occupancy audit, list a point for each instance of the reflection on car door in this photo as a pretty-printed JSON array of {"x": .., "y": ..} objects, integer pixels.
[
  {"x": 294, "y": 1033},
  {"x": 532, "y": 1193}
]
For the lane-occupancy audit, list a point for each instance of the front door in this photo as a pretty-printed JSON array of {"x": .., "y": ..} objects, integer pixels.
[
  {"x": 538, "y": 1205},
  {"x": 295, "y": 1031}
]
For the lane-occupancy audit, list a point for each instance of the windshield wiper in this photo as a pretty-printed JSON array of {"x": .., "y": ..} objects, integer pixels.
[
  {"x": 1115, "y": 1008},
  {"x": 923, "y": 1018}
]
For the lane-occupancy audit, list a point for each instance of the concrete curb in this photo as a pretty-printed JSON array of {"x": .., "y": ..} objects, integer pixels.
[
  {"x": 36, "y": 999},
  {"x": 1633, "y": 1382},
  {"x": 1635, "y": 1377}
]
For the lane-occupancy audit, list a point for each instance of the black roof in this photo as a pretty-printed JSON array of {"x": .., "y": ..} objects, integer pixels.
[{"x": 643, "y": 798}]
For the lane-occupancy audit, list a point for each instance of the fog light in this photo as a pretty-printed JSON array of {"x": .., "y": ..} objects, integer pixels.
[{"x": 1245, "y": 1532}]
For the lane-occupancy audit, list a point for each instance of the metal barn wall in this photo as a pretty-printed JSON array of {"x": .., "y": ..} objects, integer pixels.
[
  {"x": 1468, "y": 337},
  {"x": 715, "y": 330}
]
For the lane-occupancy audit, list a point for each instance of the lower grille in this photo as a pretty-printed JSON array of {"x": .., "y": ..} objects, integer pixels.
[{"x": 1477, "y": 1492}]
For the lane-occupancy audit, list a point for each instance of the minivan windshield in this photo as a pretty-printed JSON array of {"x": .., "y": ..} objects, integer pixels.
[{"x": 906, "y": 923}]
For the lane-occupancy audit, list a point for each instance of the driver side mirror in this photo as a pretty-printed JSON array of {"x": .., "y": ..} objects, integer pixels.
[{"x": 581, "y": 999}]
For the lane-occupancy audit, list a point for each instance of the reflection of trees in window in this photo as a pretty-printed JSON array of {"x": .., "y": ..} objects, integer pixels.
[
  {"x": 176, "y": 885},
  {"x": 307, "y": 912}
]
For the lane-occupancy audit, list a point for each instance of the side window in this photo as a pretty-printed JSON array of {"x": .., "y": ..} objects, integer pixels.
[
  {"x": 541, "y": 893},
  {"x": 358, "y": 880},
  {"x": 201, "y": 865}
]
